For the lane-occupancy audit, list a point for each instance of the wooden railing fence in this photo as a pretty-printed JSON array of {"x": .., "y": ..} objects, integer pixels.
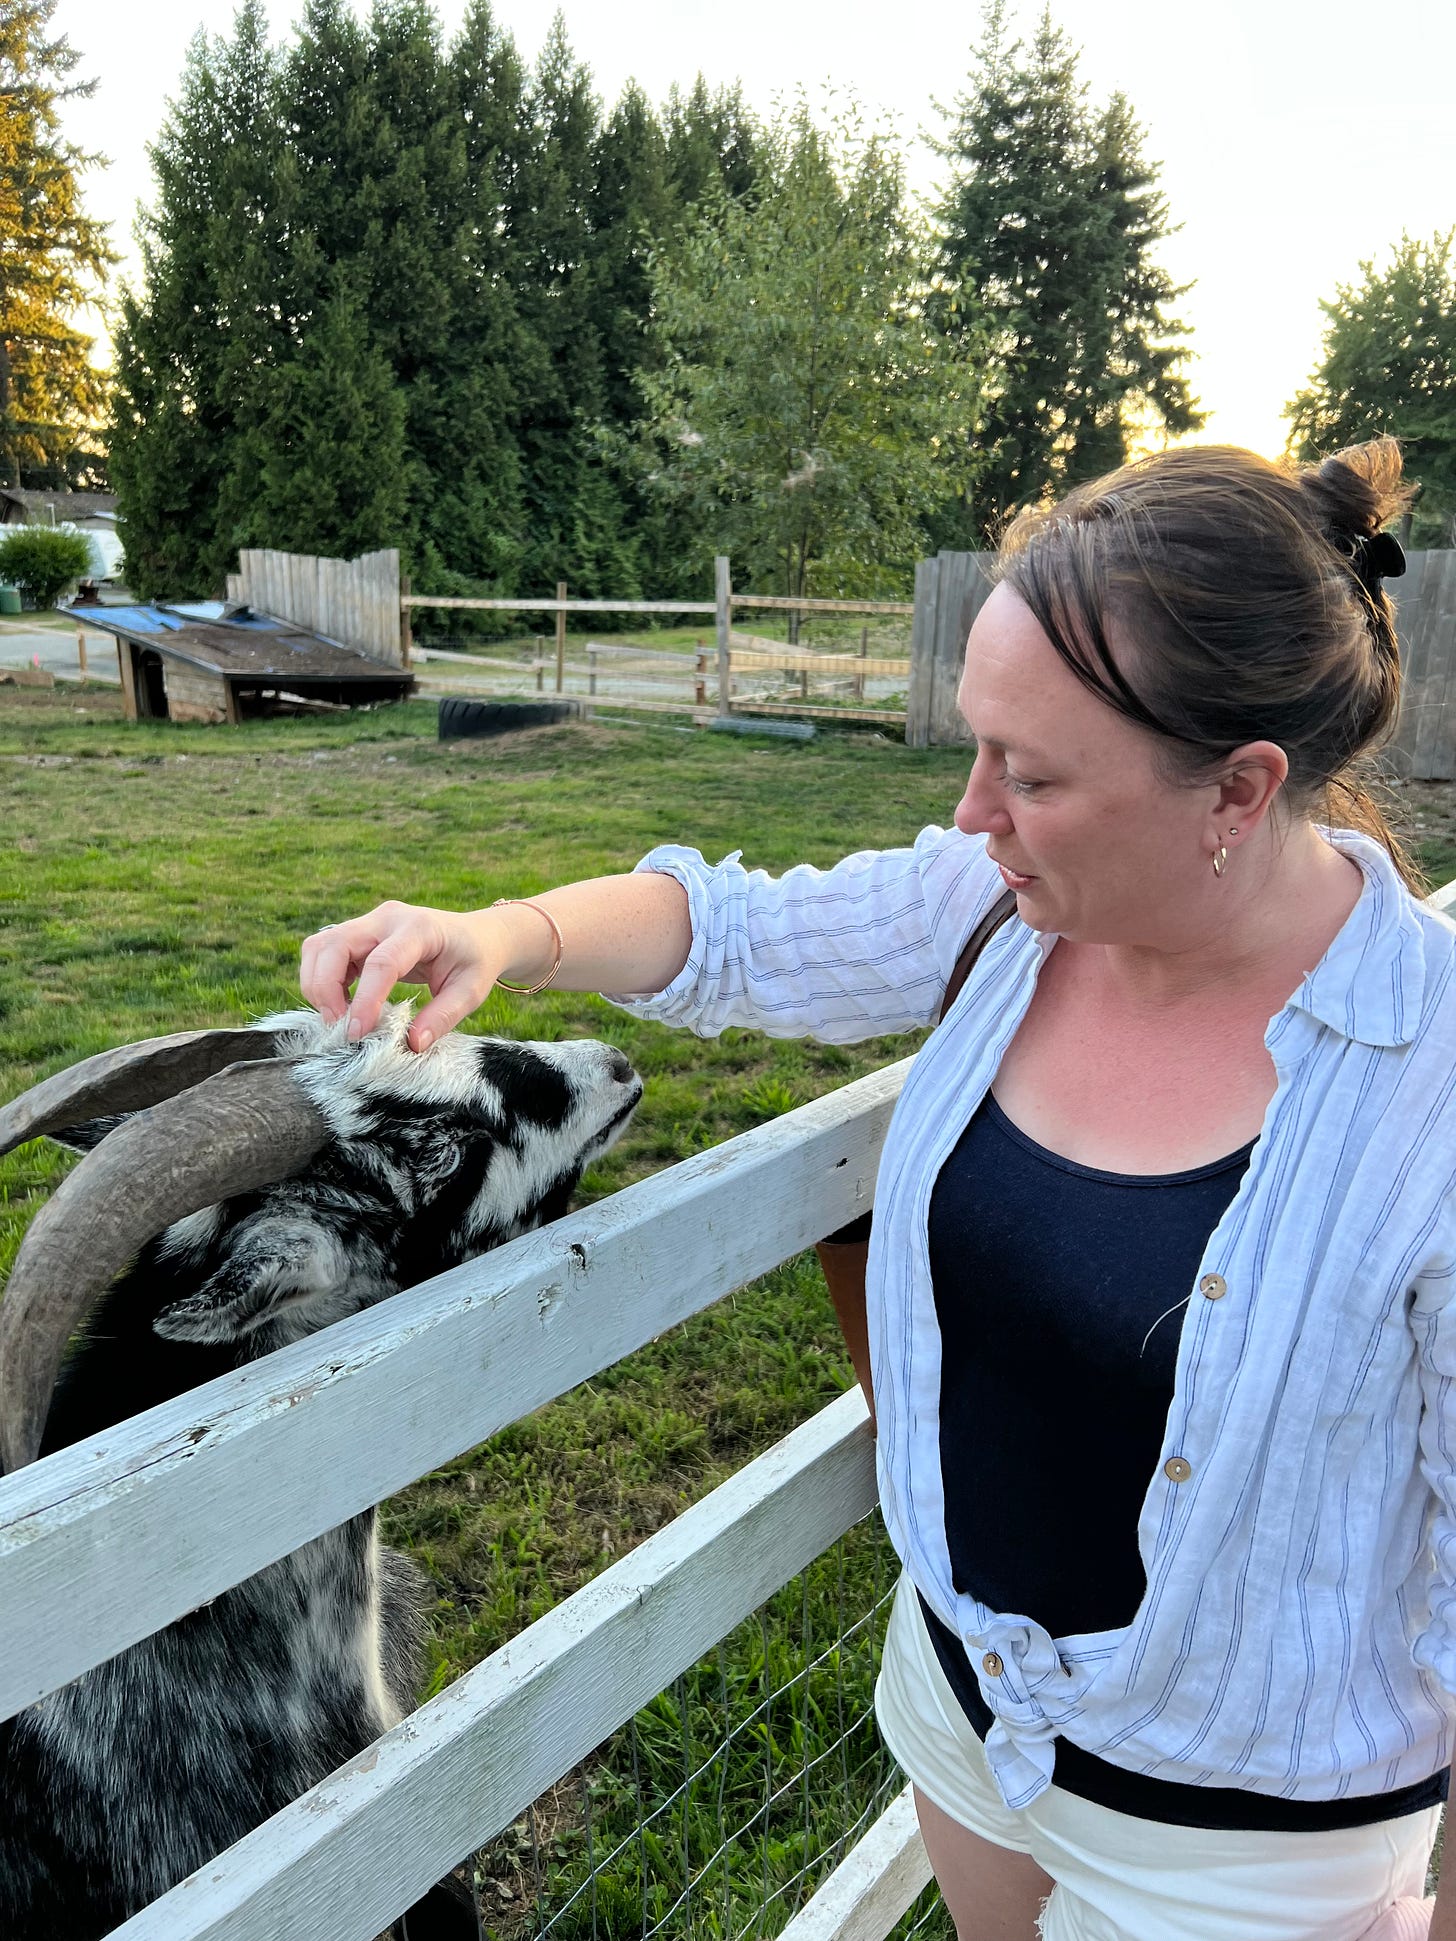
[
  {"x": 105, "y": 1542},
  {"x": 724, "y": 605}
]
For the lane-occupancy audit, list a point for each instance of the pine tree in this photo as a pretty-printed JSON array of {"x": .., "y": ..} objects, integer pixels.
[
  {"x": 1388, "y": 364},
  {"x": 326, "y": 459},
  {"x": 712, "y": 143},
  {"x": 573, "y": 530},
  {"x": 1048, "y": 230},
  {"x": 197, "y": 343},
  {"x": 53, "y": 260}
]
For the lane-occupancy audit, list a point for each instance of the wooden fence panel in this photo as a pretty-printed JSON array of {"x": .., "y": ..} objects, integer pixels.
[
  {"x": 348, "y": 1856},
  {"x": 157, "y": 1515},
  {"x": 947, "y": 600},
  {"x": 1424, "y": 746},
  {"x": 876, "y": 1882},
  {"x": 950, "y": 590},
  {"x": 353, "y": 601}
]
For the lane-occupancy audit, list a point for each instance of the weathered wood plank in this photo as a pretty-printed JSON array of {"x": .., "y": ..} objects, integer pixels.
[
  {"x": 353, "y": 601},
  {"x": 349, "y": 1856},
  {"x": 723, "y": 611},
  {"x": 150, "y": 1519},
  {"x": 567, "y": 606},
  {"x": 922, "y": 654},
  {"x": 873, "y": 1885},
  {"x": 750, "y": 660},
  {"x": 784, "y": 601}
]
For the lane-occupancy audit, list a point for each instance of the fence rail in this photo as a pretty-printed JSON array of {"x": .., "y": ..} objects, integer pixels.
[
  {"x": 636, "y": 688},
  {"x": 106, "y": 1541}
]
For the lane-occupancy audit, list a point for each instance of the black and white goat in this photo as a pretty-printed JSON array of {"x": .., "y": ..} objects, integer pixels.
[{"x": 248, "y": 1187}]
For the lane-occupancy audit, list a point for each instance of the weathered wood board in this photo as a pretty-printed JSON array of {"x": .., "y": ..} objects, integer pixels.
[
  {"x": 150, "y": 1519},
  {"x": 353, "y": 601}
]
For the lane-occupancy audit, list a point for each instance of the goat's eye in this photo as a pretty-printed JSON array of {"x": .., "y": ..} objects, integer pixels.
[{"x": 449, "y": 1162}]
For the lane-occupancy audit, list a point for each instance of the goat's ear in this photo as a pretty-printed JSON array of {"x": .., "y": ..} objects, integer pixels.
[{"x": 272, "y": 1264}]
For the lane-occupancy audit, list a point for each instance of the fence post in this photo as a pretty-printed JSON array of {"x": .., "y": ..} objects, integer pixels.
[
  {"x": 81, "y": 651},
  {"x": 864, "y": 648},
  {"x": 723, "y": 593},
  {"x": 700, "y": 680},
  {"x": 560, "y": 637},
  {"x": 406, "y": 631},
  {"x": 540, "y": 665},
  {"x": 591, "y": 665}
]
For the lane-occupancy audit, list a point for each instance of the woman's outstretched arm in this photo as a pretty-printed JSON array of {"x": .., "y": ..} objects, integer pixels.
[{"x": 618, "y": 933}]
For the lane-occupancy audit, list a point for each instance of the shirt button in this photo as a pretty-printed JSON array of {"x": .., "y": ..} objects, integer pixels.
[
  {"x": 1177, "y": 1470},
  {"x": 1213, "y": 1286},
  {"x": 991, "y": 1664}
]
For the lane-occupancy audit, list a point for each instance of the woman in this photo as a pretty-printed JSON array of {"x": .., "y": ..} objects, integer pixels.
[{"x": 1166, "y": 1197}]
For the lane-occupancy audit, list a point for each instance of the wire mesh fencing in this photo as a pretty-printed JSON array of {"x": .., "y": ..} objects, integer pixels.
[{"x": 716, "y": 1812}]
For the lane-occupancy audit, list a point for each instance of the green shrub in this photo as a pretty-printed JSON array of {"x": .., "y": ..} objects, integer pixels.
[{"x": 42, "y": 561}]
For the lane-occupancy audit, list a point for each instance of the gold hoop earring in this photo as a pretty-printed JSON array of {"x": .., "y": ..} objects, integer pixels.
[{"x": 1220, "y": 857}]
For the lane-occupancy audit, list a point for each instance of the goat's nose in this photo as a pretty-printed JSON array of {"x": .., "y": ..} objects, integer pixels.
[{"x": 620, "y": 1066}]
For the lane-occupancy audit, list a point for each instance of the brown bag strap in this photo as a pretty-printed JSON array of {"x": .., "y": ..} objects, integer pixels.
[
  {"x": 843, "y": 1255},
  {"x": 999, "y": 911},
  {"x": 989, "y": 924}
]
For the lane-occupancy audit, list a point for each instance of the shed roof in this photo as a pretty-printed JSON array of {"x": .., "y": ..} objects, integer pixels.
[
  {"x": 242, "y": 644},
  {"x": 68, "y": 505}
]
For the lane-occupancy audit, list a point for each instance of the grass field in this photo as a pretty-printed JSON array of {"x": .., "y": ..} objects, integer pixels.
[{"x": 156, "y": 877}]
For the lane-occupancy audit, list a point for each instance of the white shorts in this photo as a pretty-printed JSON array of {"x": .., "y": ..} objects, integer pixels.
[{"x": 1120, "y": 1878}]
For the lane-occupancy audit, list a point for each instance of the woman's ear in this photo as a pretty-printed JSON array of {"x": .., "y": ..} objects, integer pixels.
[{"x": 1248, "y": 784}]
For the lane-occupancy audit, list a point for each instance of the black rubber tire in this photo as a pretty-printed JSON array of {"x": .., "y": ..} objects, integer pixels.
[{"x": 461, "y": 719}]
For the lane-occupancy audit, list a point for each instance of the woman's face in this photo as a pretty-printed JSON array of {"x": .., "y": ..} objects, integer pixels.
[{"x": 1066, "y": 791}]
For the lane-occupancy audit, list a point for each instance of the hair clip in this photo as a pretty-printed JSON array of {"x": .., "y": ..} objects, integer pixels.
[{"x": 1379, "y": 556}]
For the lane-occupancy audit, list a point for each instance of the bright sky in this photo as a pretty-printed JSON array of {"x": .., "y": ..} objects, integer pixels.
[{"x": 1297, "y": 137}]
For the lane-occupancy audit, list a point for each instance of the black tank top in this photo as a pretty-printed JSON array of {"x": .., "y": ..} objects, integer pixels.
[{"x": 1060, "y": 1291}]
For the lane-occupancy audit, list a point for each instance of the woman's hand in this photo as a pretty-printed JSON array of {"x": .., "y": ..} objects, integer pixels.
[
  {"x": 612, "y": 933},
  {"x": 458, "y": 955}
]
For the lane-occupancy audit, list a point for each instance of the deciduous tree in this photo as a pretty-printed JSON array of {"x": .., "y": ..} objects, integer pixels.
[{"x": 798, "y": 395}]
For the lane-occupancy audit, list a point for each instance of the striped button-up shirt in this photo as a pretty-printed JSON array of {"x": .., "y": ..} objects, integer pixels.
[{"x": 1298, "y": 1632}]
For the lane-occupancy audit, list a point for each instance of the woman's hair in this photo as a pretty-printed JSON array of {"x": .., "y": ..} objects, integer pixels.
[{"x": 1244, "y": 606}]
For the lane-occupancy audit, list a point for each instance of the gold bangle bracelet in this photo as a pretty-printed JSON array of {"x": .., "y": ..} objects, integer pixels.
[{"x": 530, "y": 990}]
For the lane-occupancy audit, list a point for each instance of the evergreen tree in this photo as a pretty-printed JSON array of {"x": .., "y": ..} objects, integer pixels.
[
  {"x": 711, "y": 142},
  {"x": 572, "y": 523},
  {"x": 326, "y": 459},
  {"x": 53, "y": 260},
  {"x": 197, "y": 343},
  {"x": 1048, "y": 230},
  {"x": 1389, "y": 365}
]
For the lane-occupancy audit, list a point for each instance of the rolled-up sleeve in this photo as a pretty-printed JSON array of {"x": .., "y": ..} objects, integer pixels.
[{"x": 839, "y": 954}]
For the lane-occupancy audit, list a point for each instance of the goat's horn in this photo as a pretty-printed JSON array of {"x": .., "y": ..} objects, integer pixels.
[
  {"x": 243, "y": 1128},
  {"x": 126, "y": 1080}
]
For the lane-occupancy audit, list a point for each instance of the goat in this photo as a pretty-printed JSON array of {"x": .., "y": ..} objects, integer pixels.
[{"x": 350, "y": 1171}]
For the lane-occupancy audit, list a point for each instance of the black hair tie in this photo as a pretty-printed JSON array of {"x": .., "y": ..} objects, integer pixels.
[{"x": 1379, "y": 556}]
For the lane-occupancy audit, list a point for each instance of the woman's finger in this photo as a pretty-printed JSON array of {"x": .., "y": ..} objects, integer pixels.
[
  {"x": 404, "y": 956},
  {"x": 462, "y": 992},
  {"x": 330, "y": 961}
]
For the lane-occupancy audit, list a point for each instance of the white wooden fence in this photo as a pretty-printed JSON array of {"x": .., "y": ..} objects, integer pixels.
[{"x": 104, "y": 1542}]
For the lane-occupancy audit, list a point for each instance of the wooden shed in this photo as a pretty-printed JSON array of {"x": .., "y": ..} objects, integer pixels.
[{"x": 215, "y": 662}]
